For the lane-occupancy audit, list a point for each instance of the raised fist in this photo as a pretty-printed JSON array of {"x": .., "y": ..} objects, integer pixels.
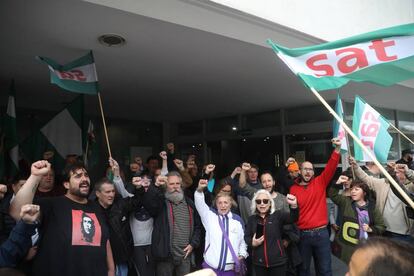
[
  {"x": 246, "y": 166},
  {"x": 237, "y": 170},
  {"x": 291, "y": 200},
  {"x": 179, "y": 163},
  {"x": 401, "y": 167},
  {"x": 40, "y": 168},
  {"x": 202, "y": 184},
  {"x": 342, "y": 179},
  {"x": 137, "y": 181},
  {"x": 290, "y": 160},
  {"x": 29, "y": 213},
  {"x": 161, "y": 181},
  {"x": 163, "y": 155},
  {"x": 210, "y": 168}
]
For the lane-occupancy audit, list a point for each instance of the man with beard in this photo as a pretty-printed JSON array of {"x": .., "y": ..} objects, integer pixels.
[
  {"x": 62, "y": 248},
  {"x": 310, "y": 192},
  {"x": 176, "y": 225}
]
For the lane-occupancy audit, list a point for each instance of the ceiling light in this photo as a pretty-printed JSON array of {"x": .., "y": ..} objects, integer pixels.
[
  {"x": 111, "y": 40},
  {"x": 234, "y": 128}
]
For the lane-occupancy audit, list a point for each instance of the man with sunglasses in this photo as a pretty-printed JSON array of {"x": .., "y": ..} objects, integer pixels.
[{"x": 310, "y": 192}]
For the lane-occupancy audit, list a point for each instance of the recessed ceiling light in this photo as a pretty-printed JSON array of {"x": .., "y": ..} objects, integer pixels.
[{"x": 111, "y": 40}]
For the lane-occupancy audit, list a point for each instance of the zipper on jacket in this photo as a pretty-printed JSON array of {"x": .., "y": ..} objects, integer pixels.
[
  {"x": 264, "y": 243},
  {"x": 280, "y": 248}
]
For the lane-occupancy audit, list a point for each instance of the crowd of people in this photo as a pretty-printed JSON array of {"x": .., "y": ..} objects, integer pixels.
[{"x": 173, "y": 217}]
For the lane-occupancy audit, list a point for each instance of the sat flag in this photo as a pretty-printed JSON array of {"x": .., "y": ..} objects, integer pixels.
[
  {"x": 383, "y": 57},
  {"x": 77, "y": 76}
]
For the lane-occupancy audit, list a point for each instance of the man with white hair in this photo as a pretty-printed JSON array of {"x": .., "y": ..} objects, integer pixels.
[{"x": 176, "y": 225}]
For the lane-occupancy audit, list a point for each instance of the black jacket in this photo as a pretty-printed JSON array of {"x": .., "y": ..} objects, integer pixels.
[
  {"x": 117, "y": 216},
  {"x": 156, "y": 204},
  {"x": 271, "y": 252}
]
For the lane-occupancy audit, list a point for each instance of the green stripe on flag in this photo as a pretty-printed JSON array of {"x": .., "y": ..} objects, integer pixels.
[
  {"x": 90, "y": 88},
  {"x": 382, "y": 148},
  {"x": 401, "y": 30}
]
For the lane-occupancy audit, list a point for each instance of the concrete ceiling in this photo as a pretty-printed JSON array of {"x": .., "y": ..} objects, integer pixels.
[{"x": 165, "y": 71}]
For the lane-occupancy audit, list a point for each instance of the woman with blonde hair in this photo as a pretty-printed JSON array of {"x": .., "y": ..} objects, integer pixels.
[
  {"x": 264, "y": 233},
  {"x": 225, "y": 249}
]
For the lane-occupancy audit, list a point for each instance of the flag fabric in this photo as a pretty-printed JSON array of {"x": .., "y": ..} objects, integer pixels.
[
  {"x": 371, "y": 129},
  {"x": 58, "y": 138},
  {"x": 9, "y": 148},
  {"x": 338, "y": 130},
  {"x": 91, "y": 157},
  {"x": 77, "y": 76},
  {"x": 383, "y": 57}
]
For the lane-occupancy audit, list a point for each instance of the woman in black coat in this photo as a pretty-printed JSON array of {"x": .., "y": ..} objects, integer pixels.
[{"x": 264, "y": 233}]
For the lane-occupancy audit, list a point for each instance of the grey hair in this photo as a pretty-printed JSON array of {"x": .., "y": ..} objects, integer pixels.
[
  {"x": 177, "y": 174},
  {"x": 253, "y": 206}
]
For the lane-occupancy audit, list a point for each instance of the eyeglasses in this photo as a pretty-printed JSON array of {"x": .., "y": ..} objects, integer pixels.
[
  {"x": 308, "y": 169},
  {"x": 260, "y": 201}
]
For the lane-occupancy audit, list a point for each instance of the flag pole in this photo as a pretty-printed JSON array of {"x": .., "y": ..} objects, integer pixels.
[
  {"x": 347, "y": 139},
  {"x": 356, "y": 139},
  {"x": 85, "y": 157},
  {"x": 402, "y": 134},
  {"x": 104, "y": 125}
]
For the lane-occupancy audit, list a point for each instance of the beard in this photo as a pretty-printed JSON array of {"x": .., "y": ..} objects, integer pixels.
[
  {"x": 304, "y": 180},
  {"x": 175, "y": 196},
  {"x": 77, "y": 191}
]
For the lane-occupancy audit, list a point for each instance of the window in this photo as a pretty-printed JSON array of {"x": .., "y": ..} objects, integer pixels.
[
  {"x": 262, "y": 120},
  {"x": 223, "y": 125},
  {"x": 190, "y": 128}
]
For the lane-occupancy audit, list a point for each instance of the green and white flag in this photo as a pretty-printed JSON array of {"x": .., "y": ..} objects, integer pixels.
[
  {"x": 383, "y": 57},
  {"x": 371, "y": 129},
  {"x": 77, "y": 76},
  {"x": 59, "y": 137},
  {"x": 338, "y": 130}
]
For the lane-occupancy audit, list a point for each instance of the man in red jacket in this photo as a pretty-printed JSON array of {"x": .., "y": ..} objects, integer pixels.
[{"x": 310, "y": 192}]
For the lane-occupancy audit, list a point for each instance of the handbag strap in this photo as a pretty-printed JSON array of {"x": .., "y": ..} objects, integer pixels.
[{"x": 226, "y": 237}]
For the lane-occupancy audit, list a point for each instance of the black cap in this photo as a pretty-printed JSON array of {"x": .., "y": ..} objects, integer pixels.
[{"x": 407, "y": 151}]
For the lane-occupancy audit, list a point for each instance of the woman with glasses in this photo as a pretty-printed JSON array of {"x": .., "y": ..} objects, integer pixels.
[{"x": 264, "y": 233}]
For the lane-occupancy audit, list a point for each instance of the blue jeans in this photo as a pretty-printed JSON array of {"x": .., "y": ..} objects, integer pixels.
[
  {"x": 315, "y": 244},
  {"x": 121, "y": 270}
]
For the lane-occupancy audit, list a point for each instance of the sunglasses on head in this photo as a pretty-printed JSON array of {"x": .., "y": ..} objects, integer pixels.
[{"x": 259, "y": 201}]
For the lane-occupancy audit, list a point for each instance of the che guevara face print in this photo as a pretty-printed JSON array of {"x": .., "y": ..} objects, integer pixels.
[{"x": 86, "y": 229}]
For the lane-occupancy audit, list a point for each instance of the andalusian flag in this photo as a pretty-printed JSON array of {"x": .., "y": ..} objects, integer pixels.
[
  {"x": 338, "y": 130},
  {"x": 58, "y": 138},
  {"x": 77, "y": 76},
  {"x": 383, "y": 57},
  {"x": 371, "y": 129}
]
